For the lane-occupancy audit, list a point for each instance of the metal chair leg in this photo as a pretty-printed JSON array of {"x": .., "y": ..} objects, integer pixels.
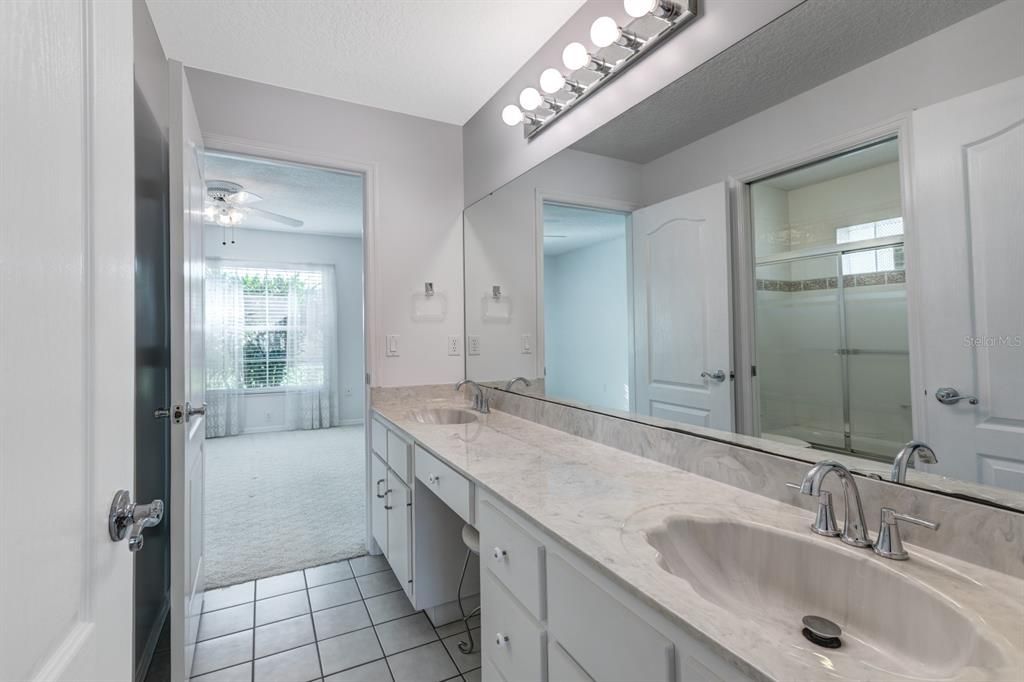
[{"x": 464, "y": 646}]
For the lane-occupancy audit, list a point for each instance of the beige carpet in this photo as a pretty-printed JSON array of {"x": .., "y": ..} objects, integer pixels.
[{"x": 278, "y": 502}]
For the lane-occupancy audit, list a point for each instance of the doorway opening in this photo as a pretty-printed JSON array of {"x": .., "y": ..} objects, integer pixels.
[
  {"x": 587, "y": 316},
  {"x": 833, "y": 355},
  {"x": 285, "y": 458}
]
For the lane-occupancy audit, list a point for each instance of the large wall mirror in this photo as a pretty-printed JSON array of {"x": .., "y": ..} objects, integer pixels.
[{"x": 841, "y": 296}]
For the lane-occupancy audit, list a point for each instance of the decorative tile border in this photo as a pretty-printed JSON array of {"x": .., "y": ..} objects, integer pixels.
[{"x": 822, "y": 283}]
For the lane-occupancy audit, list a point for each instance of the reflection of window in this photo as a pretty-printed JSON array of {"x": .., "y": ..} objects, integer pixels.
[
  {"x": 857, "y": 233},
  {"x": 871, "y": 260}
]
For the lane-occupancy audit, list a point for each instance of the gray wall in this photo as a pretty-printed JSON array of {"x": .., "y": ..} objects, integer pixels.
[
  {"x": 416, "y": 233},
  {"x": 495, "y": 153}
]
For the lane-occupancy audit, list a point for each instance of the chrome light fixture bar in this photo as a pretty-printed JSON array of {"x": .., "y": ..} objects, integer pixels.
[{"x": 618, "y": 49}]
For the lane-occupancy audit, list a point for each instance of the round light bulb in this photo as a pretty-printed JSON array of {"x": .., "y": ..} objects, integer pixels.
[
  {"x": 639, "y": 8},
  {"x": 551, "y": 81},
  {"x": 511, "y": 115},
  {"x": 575, "y": 56},
  {"x": 604, "y": 31},
  {"x": 530, "y": 99}
]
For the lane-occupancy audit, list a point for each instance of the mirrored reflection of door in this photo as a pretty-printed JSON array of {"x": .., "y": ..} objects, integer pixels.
[{"x": 799, "y": 368}]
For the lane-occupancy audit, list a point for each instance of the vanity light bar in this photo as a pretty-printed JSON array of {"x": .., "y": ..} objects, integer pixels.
[{"x": 563, "y": 92}]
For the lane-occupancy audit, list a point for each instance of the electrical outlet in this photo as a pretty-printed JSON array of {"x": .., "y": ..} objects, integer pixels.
[
  {"x": 474, "y": 345},
  {"x": 391, "y": 347},
  {"x": 348, "y": 391},
  {"x": 527, "y": 344},
  {"x": 453, "y": 345}
]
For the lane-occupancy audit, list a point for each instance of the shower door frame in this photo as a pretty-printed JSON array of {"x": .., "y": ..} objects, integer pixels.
[
  {"x": 836, "y": 252},
  {"x": 747, "y": 389}
]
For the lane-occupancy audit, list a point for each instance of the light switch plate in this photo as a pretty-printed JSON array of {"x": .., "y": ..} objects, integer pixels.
[
  {"x": 474, "y": 345},
  {"x": 527, "y": 345},
  {"x": 391, "y": 345},
  {"x": 453, "y": 345}
]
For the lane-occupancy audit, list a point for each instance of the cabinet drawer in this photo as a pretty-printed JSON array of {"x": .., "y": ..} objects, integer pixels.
[
  {"x": 601, "y": 635},
  {"x": 453, "y": 489},
  {"x": 379, "y": 439},
  {"x": 398, "y": 456},
  {"x": 513, "y": 556},
  {"x": 512, "y": 641},
  {"x": 561, "y": 667}
]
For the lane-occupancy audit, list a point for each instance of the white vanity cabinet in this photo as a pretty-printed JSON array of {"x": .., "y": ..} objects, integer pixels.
[
  {"x": 391, "y": 501},
  {"x": 547, "y": 616}
]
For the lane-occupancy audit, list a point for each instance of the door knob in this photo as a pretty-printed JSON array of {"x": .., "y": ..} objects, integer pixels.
[
  {"x": 717, "y": 375},
  {"x": 951, "y": 396},
  {"x": 193, "y": 411},
  {"x": 124, "y": 514}
]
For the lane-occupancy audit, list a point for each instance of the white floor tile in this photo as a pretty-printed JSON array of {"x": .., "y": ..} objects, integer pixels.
[
  {"x": 280, "y": 584},
  {"x": 228, "y": 596},
  {"x": 338, "y": 620},
  {"x": 405, "y": 633},
  {"x": 389, "y": 606},
  {"x": 236, "y": 673},
  {"x": 348, "y": 651},
  {"x": 225, "y": 621},
  {"x": 333, "y": 594},
  {"x": 362, "y": 565},
  {"x": 371, "y": 672},
  {"x": 329, "y": 573},
  {"x": 223, "y": 652},
  {"x": 377, "y": 583},
  {"x": 428, "y": 663},
  {"x": 284, "y": 635},
  {"x": 282, "y": 607},
  {"x": 297, "y": 665}
]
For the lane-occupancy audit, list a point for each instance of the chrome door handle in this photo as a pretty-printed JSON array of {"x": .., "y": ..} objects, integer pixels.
[
  {"x": 176, "y": 412},
  {"x": 379, "y": 493},
  {"x": 717, "y": 375},
  {"x": 125, "y": 513},
  {"x": 193, "y": 411},
  {"x": 388, "y": 499},
  {"x": 951, "y": 396}
]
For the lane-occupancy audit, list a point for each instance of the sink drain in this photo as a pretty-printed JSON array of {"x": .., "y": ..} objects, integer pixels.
[{"x": 822, "y": 632}]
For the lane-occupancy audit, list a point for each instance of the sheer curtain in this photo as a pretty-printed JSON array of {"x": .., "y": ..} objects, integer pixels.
[
  {"x": 225, "y": 339},
  {"x": 271, "y": 329},
  {"x": 312, "y": 398}
]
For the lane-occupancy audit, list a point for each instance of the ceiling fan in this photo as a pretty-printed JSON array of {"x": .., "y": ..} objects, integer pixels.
[{"x": 228, "y": 203}]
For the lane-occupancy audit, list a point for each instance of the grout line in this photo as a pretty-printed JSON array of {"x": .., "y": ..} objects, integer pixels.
[
  {"x": 391, "y": 673},
  {"x": 312, "y": 621}
]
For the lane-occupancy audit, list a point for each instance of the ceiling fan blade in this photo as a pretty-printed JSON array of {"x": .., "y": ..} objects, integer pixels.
[
  {"x": 242, "y": 197},
  {"x": 277, "y": 217}
]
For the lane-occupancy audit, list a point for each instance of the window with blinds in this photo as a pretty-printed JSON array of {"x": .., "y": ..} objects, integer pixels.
[{"x": 282, "y": 342}]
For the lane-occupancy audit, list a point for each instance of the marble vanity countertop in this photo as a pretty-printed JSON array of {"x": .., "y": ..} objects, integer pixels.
[{"x": 601, "y": 502}]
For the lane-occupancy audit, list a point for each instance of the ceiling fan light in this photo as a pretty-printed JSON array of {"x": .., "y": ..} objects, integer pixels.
[{"x": 235, "y": 217}]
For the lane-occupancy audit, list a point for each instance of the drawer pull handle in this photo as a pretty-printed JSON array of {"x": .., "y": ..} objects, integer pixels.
[
  {"x": 387, "y": 493},
  {"x": 379, "y": 493},
  {"x": 500, "y": 554},
  {"x": 434, "y": 479},
  {"x": 501, "y": 640}
]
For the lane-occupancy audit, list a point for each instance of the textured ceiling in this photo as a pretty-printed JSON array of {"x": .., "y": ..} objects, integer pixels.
[
  {"x": 438, "y": 60},
  {"x": 567, "y": 228},
  {"x": 813, "y": 43},
  {"x": 327, "y": 202}
]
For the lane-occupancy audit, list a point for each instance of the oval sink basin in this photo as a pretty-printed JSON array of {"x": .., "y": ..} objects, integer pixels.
[
  {"x": 443, "y": 416},
  {"x": 771, "y": 579}
]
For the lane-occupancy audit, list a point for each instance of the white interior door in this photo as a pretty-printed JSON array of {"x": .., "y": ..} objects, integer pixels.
[
  {"x": 968, "y": 167},
  {"x": 681, "y": 271},
  {"x": 188, "y": 191},
  {"x": 67, "y": 242}
]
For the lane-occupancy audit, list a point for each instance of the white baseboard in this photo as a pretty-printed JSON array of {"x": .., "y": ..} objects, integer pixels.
[{"x": 449, "y": 613}]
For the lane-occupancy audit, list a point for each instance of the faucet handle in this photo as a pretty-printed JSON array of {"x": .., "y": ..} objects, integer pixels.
[
  {"x": 889, "y": 543},
  {"x": 825, "y": 518}
]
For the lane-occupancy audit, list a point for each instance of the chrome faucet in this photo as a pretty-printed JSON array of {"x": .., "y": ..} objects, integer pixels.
[
  {"x": 524, "y": 380},
  {"x": 906, "y": 456},
  {"x": 854, "y": 528},
  {"x": 480, "y": 403}
]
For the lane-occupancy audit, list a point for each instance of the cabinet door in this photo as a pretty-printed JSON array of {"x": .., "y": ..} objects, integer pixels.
[
  {"x": 378, "y": 514},
  {"x": 399, "y": 531}
]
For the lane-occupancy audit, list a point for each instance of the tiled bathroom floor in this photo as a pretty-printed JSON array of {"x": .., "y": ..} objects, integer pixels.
[{"x": 340, "y": 622}]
